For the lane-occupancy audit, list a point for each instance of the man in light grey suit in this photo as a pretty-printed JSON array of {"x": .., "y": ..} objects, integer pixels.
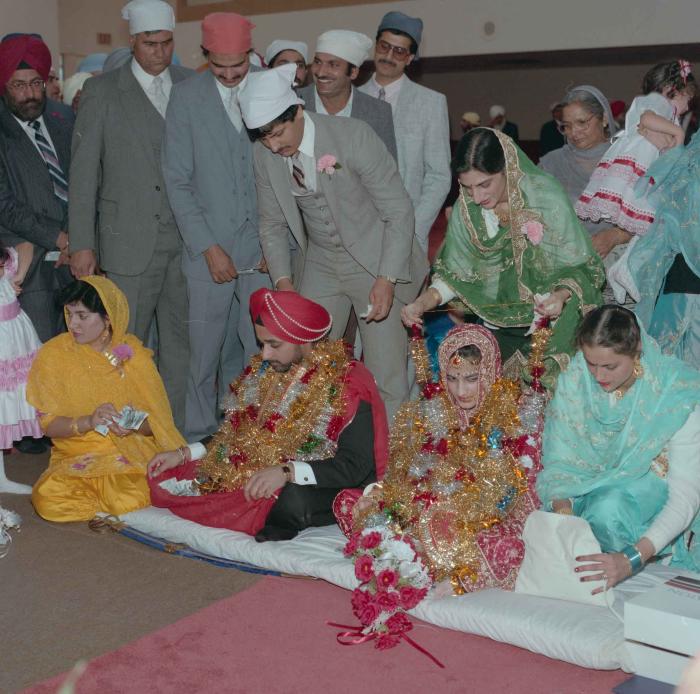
[
  {"x": 420, "y": 119},
  {"x": 208, "y": 169},
  {"x": 339, "y": 55},
  {"x": 330, "y": 182},
  {"x": 118, "y": 205}
]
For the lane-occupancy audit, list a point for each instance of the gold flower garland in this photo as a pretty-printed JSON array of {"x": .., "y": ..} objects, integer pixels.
[{"x": 257, "y": 435}]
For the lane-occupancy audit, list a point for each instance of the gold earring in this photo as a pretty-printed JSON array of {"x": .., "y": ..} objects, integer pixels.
[{"x": 638, "y": 370}]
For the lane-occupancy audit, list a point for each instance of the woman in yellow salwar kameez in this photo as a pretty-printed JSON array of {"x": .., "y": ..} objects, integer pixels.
[{"x": 82, "y": 379}]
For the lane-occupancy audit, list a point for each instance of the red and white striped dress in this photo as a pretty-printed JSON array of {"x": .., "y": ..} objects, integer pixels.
[{"x": 610, "y": 195}]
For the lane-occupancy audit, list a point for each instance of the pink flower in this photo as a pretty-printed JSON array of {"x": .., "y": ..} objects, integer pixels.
[
  {"x": 370, "y": 540},
  {"x": 327, "y": 164},
  {"x": 410, "y": 596},
  {"x": 369, "y": 613},
  {"x": 387, "y": 579},
  {"x": 122, "y": 351},
  {"x": 386, "y": 641},
  {"x": 359, "y": 600},
  {"x": 398, "y": 623},
  {"x": 78, "y": 466},
  {"x": 534, "y": 232},
  {"x": 351, "y": 546},
  {"x": 388, "y": 601},
  {"x": 364, "y": 568}
]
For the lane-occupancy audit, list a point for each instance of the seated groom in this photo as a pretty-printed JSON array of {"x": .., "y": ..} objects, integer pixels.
[{"x": 303, "y": 422}]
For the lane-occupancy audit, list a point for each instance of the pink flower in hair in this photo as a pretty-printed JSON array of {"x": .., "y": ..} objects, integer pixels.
[{"x": 534, "y": 232}]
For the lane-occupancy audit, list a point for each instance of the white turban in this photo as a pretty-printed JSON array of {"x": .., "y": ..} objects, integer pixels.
[
  {"x": 267, "y": 94},
  {"x": 73, "y": 85},
  {"x": 279, "y": 45},
  {"x": 348, "y": 45},
  {"x": 148, "y": 15},
  {"x": 496, "y": 111}
]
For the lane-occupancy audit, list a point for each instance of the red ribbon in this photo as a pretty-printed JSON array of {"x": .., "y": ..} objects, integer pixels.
[{"x": 356, "y": 631}]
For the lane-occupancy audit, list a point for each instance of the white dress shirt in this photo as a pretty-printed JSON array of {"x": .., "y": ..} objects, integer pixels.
[
  {"x": 344, "y": 112},
  {"x": 26, "y": 126},
  {"x": 391, "y": 90},
  {"x": 146, "y": 82},
  {"x": 306, "y": 156},
  {"x": 229, "y": 96}
]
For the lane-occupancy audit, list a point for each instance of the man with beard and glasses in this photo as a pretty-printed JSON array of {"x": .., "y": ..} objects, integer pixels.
[
  {"x": 336, "y": 65},
  {"x": 120, "y": 216},
  {"x": 304, "y": 421},
  {"x": 420, "y": 119},
  {"x": 34, "y": 160}
]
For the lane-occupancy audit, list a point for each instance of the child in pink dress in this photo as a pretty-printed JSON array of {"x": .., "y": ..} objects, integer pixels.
[
  {"x": 653, "y": 118},
  {"x": 18, "y": 346}
]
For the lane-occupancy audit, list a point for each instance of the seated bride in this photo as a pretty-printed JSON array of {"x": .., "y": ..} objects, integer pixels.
[{"x": 462, "y": 465}]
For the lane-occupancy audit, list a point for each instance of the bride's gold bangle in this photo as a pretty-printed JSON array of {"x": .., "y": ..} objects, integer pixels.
[{"x": 74, "y": 426}]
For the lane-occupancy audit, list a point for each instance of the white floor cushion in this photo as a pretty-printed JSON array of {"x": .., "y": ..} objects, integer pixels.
[{"x": 581, "y": 634}]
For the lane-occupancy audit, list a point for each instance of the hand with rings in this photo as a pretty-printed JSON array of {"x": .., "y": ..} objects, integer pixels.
[{"x": 609, "y": 567}]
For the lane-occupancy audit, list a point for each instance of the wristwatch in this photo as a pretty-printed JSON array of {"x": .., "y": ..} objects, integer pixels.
[{"x": 388, "y": 279}]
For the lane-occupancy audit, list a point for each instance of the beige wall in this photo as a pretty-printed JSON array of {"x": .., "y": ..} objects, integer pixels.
[
  {"x": 527, "y": 94},
  {"x": 32, "y": 16}
]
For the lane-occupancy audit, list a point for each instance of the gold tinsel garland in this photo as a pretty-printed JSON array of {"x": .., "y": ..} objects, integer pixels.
[{"x": 256, "y": 434}]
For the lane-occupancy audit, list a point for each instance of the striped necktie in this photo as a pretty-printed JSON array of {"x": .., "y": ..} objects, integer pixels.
[
  {"x": 298, "y": 173},
  {"x": 60, "y": 185}
]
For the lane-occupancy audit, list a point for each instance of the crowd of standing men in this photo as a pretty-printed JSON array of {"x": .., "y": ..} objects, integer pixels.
[{"x": 154, "y": 184}]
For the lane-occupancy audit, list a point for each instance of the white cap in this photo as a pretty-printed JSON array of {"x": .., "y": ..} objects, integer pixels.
[
  {"x": 73, "y": 85},
  {"x": 496, "y": 111},
  {"x": 348, "y": 45},
  {"x": 267, "y": 94},
  {"x": 279, "y": 45},
  {"x": 148, "y": 15}
]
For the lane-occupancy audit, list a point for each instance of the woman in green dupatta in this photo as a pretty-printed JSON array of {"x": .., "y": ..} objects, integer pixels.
[
  {"x": 514, "y": 251},
  {"x": 621, "y": 448}
]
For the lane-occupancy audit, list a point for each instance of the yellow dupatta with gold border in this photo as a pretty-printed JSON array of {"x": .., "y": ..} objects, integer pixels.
[{"x": 70, "y": 380}]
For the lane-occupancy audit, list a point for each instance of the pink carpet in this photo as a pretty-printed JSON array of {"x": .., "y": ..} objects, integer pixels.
[{"x": 273, "y": 638}]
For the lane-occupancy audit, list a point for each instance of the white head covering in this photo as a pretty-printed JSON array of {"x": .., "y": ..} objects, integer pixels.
[
  {"x": 267, "y": 94},
  {"x": 348, "y": 45},
  {"x": 148, "y": 15},
  {"x": 496, "y": 111},
  {"x": 73, "y": 85},
  {"x": 279, "y": 45}
]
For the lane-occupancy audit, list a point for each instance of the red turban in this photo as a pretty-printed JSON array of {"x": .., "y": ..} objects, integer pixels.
[
  {"x": 227, "y": 33},
  {"x": 617, "y": 108},
  {"x": 23, "y": 49},
  {"x": 289, "y": 316}
]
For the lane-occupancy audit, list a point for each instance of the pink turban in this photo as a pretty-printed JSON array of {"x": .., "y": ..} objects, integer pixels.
[
  {"x": 23, "y": 49},
  {"x": 227, "y": 33},
  {"x": 289, "y": 316}
]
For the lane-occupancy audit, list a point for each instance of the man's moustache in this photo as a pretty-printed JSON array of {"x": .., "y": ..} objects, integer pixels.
[{"x": 387, "y": 62}]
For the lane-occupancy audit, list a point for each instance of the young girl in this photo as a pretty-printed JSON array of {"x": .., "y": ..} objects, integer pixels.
[
  {"x": 651, "y": 126},
  {"x": 18, "y": 345}
]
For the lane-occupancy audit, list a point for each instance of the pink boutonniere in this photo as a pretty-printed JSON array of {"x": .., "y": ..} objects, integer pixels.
[
  {"x": 118, "y": 355},
  {"x": 534, "y": 232},
  {"x": 327, "y": 164}
]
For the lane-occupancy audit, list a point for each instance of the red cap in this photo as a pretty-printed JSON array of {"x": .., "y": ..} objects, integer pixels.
[
  {"x": 23, "y": 49},
  {"x": 227, "y": 33},
  {"x": 289, "y": 316}
]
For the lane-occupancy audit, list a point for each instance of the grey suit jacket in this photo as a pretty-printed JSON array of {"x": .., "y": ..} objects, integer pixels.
[
  {"x": 368, "y": 202},
  {"x": 117, "y": 190},
  {"x": 423, "y": 140},
  {"x": 29, "y": 210},
  {"x": 364, "y": 107},
  {"x": 208, "y": 171}
]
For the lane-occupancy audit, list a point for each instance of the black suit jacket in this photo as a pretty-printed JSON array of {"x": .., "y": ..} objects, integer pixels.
[{"x": 29, "y": 210}]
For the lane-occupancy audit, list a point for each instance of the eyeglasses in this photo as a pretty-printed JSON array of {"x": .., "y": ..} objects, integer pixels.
[
  {"x": 34, "y": 85},
  {"x": 579, "y": 124},
  {"x": 386, "y": 47}
]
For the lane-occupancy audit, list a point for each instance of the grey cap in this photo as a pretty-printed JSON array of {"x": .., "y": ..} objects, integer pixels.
[{"x": 413, "y": 26}]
